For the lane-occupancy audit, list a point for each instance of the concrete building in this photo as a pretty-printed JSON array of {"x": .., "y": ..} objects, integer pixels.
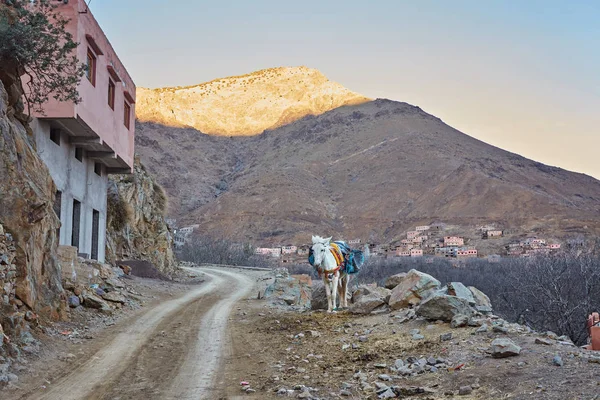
[
  {"x": 83, "y": 143},
  {"x": 450, "y": 241},
  {"x": 412, "y": 234},
  {"x": 492, "y": 234},
  {"x": 288, "y": 249},
  {"x": 416, "y": 253},
  {"x": 422, "y": 228},
  {"x": 182, "y": 236}
]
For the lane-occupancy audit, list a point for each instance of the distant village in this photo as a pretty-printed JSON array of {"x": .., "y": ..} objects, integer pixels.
[{"x": 428, "y": 241}]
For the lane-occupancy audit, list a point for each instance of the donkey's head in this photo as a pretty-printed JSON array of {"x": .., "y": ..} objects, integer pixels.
[{"x": 320, "y": 247}]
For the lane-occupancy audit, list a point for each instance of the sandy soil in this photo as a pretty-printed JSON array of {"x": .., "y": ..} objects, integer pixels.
[{"x": 170, "y": 350}]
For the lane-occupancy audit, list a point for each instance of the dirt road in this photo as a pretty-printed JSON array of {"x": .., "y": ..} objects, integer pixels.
[{"x": 172, "y": 351}]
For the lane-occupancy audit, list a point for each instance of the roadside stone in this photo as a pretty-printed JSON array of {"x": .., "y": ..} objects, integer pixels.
[
  {"x": 482, "y": 329},
  {"x": 543, "y": 341},
  {"x": 394, "y": 280},
  {"x": 92, "y": 301},
  {"x": 499, "y": 329},
  {"x": 388, "y": 394},
  {"x": 459, "y": 321},
  {"x": 459, "y": 290},
  {"x": 115, "y": 297},
  {"x": 482, "y": 301},
  {"x": 384, "y": 377},
  {"x": 465, "y": 390},
  {"x": 444, "y": 337},
  {"x": 418, "y": 336},
  {"x": 304, "y": 395},
  {"x": 73, "y": 301},
  {"x": 444, "y": 307},
  {"x": 367, "y": 299},
  {"x": 557, "y": 360},
  {"x": 319, "y": 296},
  {"x": 504, "y": 347},
  {"x": 399, "y": 363},
  {"x": 345, "y": 393},
  {"x": 413, "y": 289},
  {"x": 381, "y": 387}
]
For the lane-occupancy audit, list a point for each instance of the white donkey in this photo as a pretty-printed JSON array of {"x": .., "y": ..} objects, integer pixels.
[{"x": 328, "y": 265}]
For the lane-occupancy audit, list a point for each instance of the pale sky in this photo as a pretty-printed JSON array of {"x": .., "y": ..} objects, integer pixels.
[{"x": 521, "y": 75}]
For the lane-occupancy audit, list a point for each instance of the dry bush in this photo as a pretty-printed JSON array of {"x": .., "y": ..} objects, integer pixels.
[
  {"x": 160, "y": 197},
  {"x": 119, "y": 212},
  {"x": 547, "y": 293},
  {"x": 211, "y": 250}
]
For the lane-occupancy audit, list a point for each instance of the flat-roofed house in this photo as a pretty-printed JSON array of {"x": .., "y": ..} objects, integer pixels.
[{"x": 84, "y": 143}]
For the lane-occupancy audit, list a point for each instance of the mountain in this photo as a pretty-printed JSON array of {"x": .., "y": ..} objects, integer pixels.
[
  {"x": 369, "y": 170},
  {"x": 247, "y": 104}
]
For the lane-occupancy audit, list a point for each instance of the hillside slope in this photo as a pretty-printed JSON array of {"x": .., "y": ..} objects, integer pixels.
[
  {"x": 369, "y": 171},
  {"x": 247, "y": 104}
]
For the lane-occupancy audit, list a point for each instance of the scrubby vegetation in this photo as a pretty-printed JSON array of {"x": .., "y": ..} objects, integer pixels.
[
  {"x": 216, "y": 250},
  {"x": 547, "y": 293},
  {"x": 34, "y": 44}
]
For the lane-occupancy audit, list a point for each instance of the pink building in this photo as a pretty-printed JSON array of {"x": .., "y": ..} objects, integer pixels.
[
  {"x": 450, "y": 241},
  {"x": 466, "y": 253},
  {"x": 416, "y": 253},
  {"x": 412, "y": 234},
  {"x": 82, "y": 143},
  {"x": 493, "y": 234},
  {"x": 403, "y": 253}
]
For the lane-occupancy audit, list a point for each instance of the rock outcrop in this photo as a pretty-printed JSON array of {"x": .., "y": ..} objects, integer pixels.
[
  {"x": 247, "y": 104},
  {"x": 412, "y": 289},
  {"x": 136, "y": 221},
  {"x": 32, "y": 278},
  {"x": 367, "y": 299},
  {"x": 444, "y": 307},
  {"x": 290, "y": 290}
]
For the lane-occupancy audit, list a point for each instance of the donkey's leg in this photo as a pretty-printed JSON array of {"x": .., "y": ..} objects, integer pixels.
[
  {"x": 344, "y": 294},
  {"x": 334, "y": 293},
  {"x": 328, "y": 293}
]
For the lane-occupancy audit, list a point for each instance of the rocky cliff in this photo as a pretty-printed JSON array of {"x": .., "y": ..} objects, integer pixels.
[
  {"x": 136, "y": 220},
  {"x": 30, "y": 276},
  {"x": 247, "y": 104}
]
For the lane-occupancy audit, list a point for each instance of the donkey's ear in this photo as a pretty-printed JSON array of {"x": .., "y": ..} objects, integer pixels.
[
  {"x": 314, "y": 239},
  {"x": 328, "y": 240}
]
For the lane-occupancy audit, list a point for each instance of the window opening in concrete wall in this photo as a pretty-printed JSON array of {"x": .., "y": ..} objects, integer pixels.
[
  {"x": 57, "y": 209},
  {"x": 76, "y": 223},
  {"x": 98, "y": 169},
  {"x": 126, "y": 114},
  {"x": 55, "y": 136},
  {"x": 79, "y": 153},
  {"x": 95, "y": 233},
  {"x": 90, "y": 71},
  {"x": 111, "y": 94}
]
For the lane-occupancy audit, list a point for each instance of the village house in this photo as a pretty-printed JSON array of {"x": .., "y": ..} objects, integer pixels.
[
  {"x": 274, "y": 252},
  {"x": 289, "y": 249},
  {"x": 492, "y": 234},
  {"x": 416, "y": 253},
  {"x": 554, "y": 246},
  {"x": 450, "y": 241},
  {"x": 422, "y": 228},
  {"x": 182, "y": 236},
  {"x": 354, "y": 242},
  {"x": 412, "y": 234},
  {"x": 445, "y": 251},
  {"x": 403, "y": 253},
  {"x": 82, "y": 144},
  {"x": 466, "y": 253},
  {"x": 303, "y": 251}
]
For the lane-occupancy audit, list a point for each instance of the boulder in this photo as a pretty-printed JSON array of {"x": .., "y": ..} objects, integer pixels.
[
  {"x": 394, "y": 280},
  {"x": 503, "y": 347},
  {"x": 444, "y": 307},
  {"x": 319, "y": 297},
  {"x": 115, "y": 297},
  {"x": 92, "y": 301},
  {"x": 412, "y": 289},
  {"x": 367, "y": 299},
  {"x": 459, "y": 290},
  {"x": 291, "y": 290},
  {"x": 482, "y": 302},
  {"x": 73, "y": 301},
  {"x": 459, "y": 321}
]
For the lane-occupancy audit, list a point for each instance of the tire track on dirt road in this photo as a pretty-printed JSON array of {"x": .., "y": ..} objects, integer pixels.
[{"x": 190, "y": 375}]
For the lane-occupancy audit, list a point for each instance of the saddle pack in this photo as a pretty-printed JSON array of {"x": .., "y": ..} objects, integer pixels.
[{"x": 349, "y": 260}]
